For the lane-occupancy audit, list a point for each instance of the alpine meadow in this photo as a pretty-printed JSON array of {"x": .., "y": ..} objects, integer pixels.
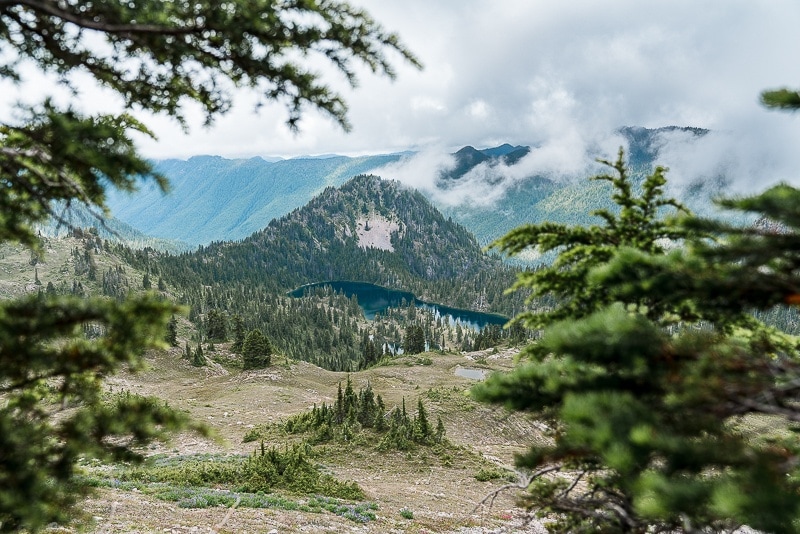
[{"x": 266, "y": 266}]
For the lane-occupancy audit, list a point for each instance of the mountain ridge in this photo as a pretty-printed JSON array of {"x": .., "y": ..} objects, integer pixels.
[{"x": 216, "y": 199}]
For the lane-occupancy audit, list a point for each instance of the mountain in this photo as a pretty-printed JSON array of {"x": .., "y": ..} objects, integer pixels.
[
  {"x": 78, "y": 215},
  {"x": 214, "y": 198},
  {"x": 368, "y": 229},
  {"x": 469, "y": 157},
  {"x": 645, "y": 143},
  {"x": 571, "y": 201}
]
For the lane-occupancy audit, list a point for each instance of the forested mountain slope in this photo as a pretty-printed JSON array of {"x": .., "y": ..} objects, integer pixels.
[
  {"x": 370, "y": 230},
  {"x": 536, "y": 199},
  {"x": 213, "y": 198}
]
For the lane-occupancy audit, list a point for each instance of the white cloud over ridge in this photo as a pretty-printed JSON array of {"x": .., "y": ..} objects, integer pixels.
[{"x": 558, "y": 76}]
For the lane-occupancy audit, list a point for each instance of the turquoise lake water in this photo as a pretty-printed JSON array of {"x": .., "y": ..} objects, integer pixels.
[{"x": 374, "y": 299}]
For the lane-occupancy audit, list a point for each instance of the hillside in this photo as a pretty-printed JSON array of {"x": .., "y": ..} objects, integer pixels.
[
  {"x": 216, "y": 199},
  {"x": 469, "y": 157},
  {"x": 419, "y": 487},
  {"x": 369, "y": 230},
  {"x": 571, "y": 201},
  {"x": 213, "y": 198},
  {"x": 424, "y": 489}
]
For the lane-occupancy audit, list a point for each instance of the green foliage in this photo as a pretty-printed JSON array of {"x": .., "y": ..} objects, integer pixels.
[
  {"x": 157, "y": 56},
  {"x": 354, "y": 413},
  {"x": 414, "y": 341},
  {"x": 488, "y": 474},
  {"x": 239, "y": 334},
  {"x": 405, "y": 513},
  {"x": 638, "y": 224},
  {"x": 171, "y": 337},
  {"x": 198, "y": 358},
  {"x": 781, "y": 99},
  {"x": 216, "y": 326},
  {"x": 48, "y": 362},
  {"x": 205, "y": 497},
  {"x": 256, "y": 350},
  {"x": 266, "y": 470},
  {"x": 175, "y": 52},
  {"x": 644, "y": 417}
]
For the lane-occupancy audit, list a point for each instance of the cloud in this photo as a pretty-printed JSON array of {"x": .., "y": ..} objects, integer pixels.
[
  {"x": 761, "y": 151},
  {"x": 556, "y": 75}
]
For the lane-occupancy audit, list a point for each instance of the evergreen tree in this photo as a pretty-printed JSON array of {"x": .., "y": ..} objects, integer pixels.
[
  {"x": 238, "y": 334},
  {"x": 646, "y": 418},
  {"x": 256, "y": 350},
  {"x": 440, "y": 430},
  {"x": 423, "y": 429},
  {"x": 639, "y": 223},
  {"x": 216, "y": 326},
  {"x": 171, "y": 336},
  {"x": 146, "y": 283},
  {"x": 414, "y": 340},
  {"x": 157, "y": 56},
  {"x": 199, "y": 359}
]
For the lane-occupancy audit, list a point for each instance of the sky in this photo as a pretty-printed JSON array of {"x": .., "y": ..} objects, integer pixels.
[{"x": 560, "y": 76}]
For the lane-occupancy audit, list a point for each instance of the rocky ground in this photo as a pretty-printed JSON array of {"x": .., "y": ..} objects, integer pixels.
[{"x": 442, "y": 495}]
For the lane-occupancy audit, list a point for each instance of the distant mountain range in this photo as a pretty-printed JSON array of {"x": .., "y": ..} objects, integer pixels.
[
  {"x": 469, "y": 157},
  {"x": 217, "y": 199}
]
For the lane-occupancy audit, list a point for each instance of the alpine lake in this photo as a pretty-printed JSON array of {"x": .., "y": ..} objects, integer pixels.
[{"x": 374, "y": 299}]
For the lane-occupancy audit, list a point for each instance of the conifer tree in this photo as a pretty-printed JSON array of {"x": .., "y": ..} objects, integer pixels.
[
  {"x": 199, "y": 359},
  {"x": 423, "y": 428},
  {"x": 440, "y": 430},
  {"x": 238, "y": 334},
  {"x": 645, "y": 418},
  {"x": 171, "y": 336},
  {"x": 216, "y": 326},
  {"x": 256, "y": 350},
  {"x": 414, "y": 342},
  {"x": 157, "y": 56}
]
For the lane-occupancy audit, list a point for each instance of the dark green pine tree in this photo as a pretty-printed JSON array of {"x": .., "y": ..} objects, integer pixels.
[
  {"x": 414, "y": 342},
  {"x": 339, "y": 407},
  {"x": 171, "y": 336},
  {"x": 158, "y": 57},
  {"x": 216, "y": 326},
  {"x": 440, "y": 430},
  {"x": 646, "y": 420},
  {"x": 369, "y": 352},
  {"x": 146, "y": 283},
  {"x": 380, "y": 415},
  {"x": 638, "y": 223},
  {"x": 422, "y": 426},
  {"x": 198, "y": 358},
  {"x": 256, "y": 350},
  {"x": 238, "y": 334}
]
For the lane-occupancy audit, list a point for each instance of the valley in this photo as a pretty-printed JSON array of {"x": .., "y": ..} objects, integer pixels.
[
  {"x": 218, "y": 199},
  {"x": 512, "y": 299},
  {"x": 367, "y": 288}
]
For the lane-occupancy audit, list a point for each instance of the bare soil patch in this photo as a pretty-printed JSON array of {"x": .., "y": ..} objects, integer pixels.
[{"x": 440, "y": 490}]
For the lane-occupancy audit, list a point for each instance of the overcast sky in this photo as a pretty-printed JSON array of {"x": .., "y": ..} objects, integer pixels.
[{"x": 561, "y": 75}]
